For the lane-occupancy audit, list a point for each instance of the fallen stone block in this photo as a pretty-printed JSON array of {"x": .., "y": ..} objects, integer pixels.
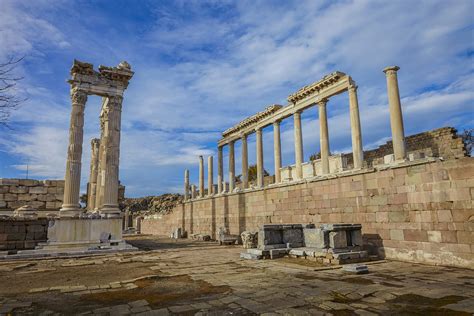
[
  {"x": 356, "y": 268},
  {"x": 251, "y": 256}
]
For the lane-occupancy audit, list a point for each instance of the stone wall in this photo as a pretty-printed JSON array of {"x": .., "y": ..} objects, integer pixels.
[
  {"x": 442, "y": 142},
  {"x": 421, "y": 212},
  {"x": 44, "y": 195},
  {"x": 18, "y": 234}
]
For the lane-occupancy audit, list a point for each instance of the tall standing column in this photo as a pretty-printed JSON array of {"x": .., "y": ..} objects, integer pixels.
[
  {"x": 91, "y": 197},
  {"x": 245, "y": 162},
  {"x": 356, "y": 134},
  {"x": 201, "y": 176},
  {"x": 298, "y": 145},
  {"x": 113, "y": 116},
  {"x": 210, "y": 176},
  {"x": 99, "y": 201},
  {"x": 277, "y": 150},
  {"x": 324, "y": 136},
  {"x": 186, "y": 184},
  {"x": 231, "y": 167},
  {"x": 72, "y": 183},
  {"x": 220, "y": 170},
  {"x": 396, "y": 116},
  {"x": 260, "y": 169}
]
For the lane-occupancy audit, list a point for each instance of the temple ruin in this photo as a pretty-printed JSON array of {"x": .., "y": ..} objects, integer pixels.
[{"x": 316, "y": 94}]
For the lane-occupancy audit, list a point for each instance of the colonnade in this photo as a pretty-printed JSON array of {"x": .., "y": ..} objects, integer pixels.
[{"x": 396, "y": 120}]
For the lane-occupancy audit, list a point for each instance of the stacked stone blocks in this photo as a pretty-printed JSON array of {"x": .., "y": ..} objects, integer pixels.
[
  {"x": 422, "y": 212},
  {"x": 17, "y": 234},
  {"x": 43, "y": 195}
]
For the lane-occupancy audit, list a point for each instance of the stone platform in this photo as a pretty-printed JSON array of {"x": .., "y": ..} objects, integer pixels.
[
  {"x": 73, "y": 236},
  {"x": 328, "y": 244}
]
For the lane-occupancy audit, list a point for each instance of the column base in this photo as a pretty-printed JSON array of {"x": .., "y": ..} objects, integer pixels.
[
  {"x": 110, "y": 211},
  {"x": 70, "y": 211}
]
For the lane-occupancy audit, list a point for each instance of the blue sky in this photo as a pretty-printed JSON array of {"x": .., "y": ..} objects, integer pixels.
[{"x": 202, "y": 66}]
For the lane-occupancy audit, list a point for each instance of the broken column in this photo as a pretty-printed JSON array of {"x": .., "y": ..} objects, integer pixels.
[
  {"x": 186, "y": 184},
  {"x": 91, "y": 197}
]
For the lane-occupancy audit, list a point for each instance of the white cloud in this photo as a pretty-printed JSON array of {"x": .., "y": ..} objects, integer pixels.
[{"x": 203, "y": 66}]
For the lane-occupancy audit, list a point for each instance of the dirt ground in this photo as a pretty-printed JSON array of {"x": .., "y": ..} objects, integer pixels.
[{"x": 201, "y": 278}]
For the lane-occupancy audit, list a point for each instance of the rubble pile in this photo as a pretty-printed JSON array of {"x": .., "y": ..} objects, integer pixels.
[{"x": 149, "y": 205}]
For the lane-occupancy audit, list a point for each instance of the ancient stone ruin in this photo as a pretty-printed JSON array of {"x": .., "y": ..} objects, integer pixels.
[{"x": 403, "y": 197}]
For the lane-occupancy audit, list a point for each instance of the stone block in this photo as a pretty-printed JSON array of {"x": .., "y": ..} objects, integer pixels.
[
  {"x": 445, "y": 216},
  {"x": 278, "y": 253},
  {"x": 249, "y": 256},
  {"x": 293, "y": 236},
  {"x": 10, "y": 197},
  {"x": 356, "y": 238},
  {"x": 316, "y": 238},
  {"x": 38, "y": 190},
  {"x": 3, "y": 204},
  {"x": 5, "y": 181},
  {"x": 356, "y": 268},
  {"x": 4, "y": 188},
  {"x": 338, "y": 239},
  {"x": 18, "y": 189},
  {"x": 396, "y": 234},
  {"x": 434, "y": 236},
  {"x": 28, "y": 182}
]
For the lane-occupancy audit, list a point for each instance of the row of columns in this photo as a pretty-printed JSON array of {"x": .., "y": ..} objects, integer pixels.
[
  {"x": 104, "y": 183},
  {"x": 396, "y": 122}
]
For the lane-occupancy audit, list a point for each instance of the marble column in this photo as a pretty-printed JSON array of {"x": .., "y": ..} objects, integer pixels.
[
  {"x": 277, "y": 150},
  {"x": 220, "y": 170},
  {"x": 91, "y": 197},
  {"x": 356, "y": 134},
  {"x": 396, "y": 116},
  {"x": 245, "y": 163},
  {"x": 193, "y": 191},
  {"x": 72, "y": 183},
  {"x": 101, "y": 167},
  {"x": 298, "y": 145},
  {"x": 113, "y": 116},
  {"x": 210, "y": 176},
  {"x": 260, "y": 174},
  {"x": 186, "y": 184},
  {"x": 324, "y": 136},
  {"x": 231, "y": 167},
  {"x": 201, "y": 176}
]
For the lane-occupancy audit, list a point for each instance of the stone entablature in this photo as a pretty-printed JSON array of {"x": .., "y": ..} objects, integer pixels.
[
  {"x": 270, "y": 110},
  {"x": 109, "y": 83},
  {"x": 317, "y": 87}
]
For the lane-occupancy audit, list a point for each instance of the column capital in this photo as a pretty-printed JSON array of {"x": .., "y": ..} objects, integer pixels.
[
  {"x": 352, "y": 87},
  {"x": 298, "y": 113},
  {"x": 323, "y": 102},
  {"x": 78, "y": 97},
  {"x": 258, "y": 129},
  {"x": 277, "y": 122},
  {"x": 390, "y": 70}
]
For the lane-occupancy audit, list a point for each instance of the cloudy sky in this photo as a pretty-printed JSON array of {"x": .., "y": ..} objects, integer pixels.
[{"x": 202, "y": 66}]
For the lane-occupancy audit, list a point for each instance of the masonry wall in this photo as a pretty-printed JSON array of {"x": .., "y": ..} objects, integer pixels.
[
  {"x": 44, "y": 195},
  {"x": 442, "y": 142},
  {"x": 421, "y": 212},
  {"x": 19, "y": 234}
]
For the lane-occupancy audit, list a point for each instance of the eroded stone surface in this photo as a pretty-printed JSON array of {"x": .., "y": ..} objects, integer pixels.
[{"x": 202, "y": 278}]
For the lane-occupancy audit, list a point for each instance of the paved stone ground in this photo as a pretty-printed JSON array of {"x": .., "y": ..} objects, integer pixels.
[{"x": 198, "y": 278}]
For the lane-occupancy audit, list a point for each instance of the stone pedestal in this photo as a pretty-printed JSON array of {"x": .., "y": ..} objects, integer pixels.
[{"x": 82, "y": 235}]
